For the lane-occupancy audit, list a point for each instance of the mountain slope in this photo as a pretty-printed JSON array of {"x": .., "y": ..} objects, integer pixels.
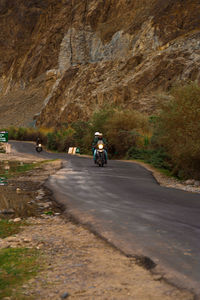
[{"x": 61, "y": 60}]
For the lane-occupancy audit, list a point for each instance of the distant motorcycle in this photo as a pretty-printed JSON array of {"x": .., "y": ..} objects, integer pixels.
[
  {"x": 100, "y": 155},
  {"x": 38, "y": 148}
]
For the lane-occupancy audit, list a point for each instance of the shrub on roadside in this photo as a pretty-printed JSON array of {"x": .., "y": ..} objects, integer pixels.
[
  {"x": 99, "y": 120},
  {"x": 178, "y": 129},
  {"x": 60, "y": 140},
  {"x": 24, "y": 134},
  {"x": 125, "y": 129},
  {"x": 84, "y": 131},
  {"x": 81, "y": 136},
  {"x": 156, "y": 157}
]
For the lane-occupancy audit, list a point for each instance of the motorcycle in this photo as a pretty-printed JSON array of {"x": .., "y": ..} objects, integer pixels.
[
  {"x": 38, "y": 148},
  {"x": 100, "y": 154}
]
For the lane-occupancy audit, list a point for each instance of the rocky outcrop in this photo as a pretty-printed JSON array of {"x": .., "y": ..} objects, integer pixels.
[{"x": 61, "y": 60}]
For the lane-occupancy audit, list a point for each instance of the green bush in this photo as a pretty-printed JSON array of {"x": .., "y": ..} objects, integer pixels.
[
  {"x": 178, "y": 129},
  {"x": 121, "y": 129},
  {"x": 60, "y": 140},
  {"x": 22, "y": 134},
  {"x": 84, "y": 131},
  {"x": 81, "y": 136},
  {"x": 51, "y": 141},
  {"x": 12, "y": 133},
  {"x": 25, "y": 134},
  {"x": 156, "y": 157},
  {"x": 125, "y": 129},
  {"x": 100, "y": 118}
]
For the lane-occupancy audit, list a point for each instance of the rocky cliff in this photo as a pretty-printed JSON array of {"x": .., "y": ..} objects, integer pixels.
[{"x": 60, "y": 60}]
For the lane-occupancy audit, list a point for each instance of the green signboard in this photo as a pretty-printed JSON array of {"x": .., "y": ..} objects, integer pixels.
[
  {"x": 77, "y": 150},
  {"x": 3, "y": 181},
  {"x": 3, "y": 136}
]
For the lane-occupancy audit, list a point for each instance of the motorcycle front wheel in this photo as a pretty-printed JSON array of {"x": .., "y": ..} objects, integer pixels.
[{"x": 101, "y": 164}]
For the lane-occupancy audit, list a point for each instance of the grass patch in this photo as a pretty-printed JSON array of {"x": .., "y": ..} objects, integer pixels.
[
  {"x": 156, "y": 158},
  {"x": 168, "y": 173},
  {"x": 16, "y": 168},
  {"x": 22, "y": 168},
  {"x": 49, "y": 213},
  {"x": 16, "y": 266},
  {"x": 8, "y": 228}
]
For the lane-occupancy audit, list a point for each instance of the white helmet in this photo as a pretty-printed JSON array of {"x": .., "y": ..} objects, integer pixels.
[{"x": 96, "y": 133}]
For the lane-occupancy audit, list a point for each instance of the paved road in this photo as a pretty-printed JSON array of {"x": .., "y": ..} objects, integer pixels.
[{"x": 124, "y": 203}]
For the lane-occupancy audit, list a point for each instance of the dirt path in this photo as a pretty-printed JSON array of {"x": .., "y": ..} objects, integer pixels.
[{"x": 77, "y": 264}]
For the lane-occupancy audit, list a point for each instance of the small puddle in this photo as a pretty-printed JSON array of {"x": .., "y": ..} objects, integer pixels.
[
  {"x": 22, "y": 198},
  {"x": 9, "y": 167},
  {"x": 14, "y": 202}
]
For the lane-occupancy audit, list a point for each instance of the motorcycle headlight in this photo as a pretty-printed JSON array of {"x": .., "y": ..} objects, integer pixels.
[
  {"x": 39, "y": 145},
  {"x": 100, "y": 146}
]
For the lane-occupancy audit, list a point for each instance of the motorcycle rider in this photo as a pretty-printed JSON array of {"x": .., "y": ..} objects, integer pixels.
[
  {"x": 38, "y": 141},
  {"x": 99, "y": 137},
  {"x": 38, "y": 146},
  {"x": 95, "y": 142}
]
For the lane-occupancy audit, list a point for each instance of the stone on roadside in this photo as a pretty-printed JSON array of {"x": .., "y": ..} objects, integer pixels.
[
  {"x": 12, "y": 239},
  {"x": 197, "y": 183},
  {"x": 39, "y": 197},
  {"x": 157, "y": 277},
  {"x": 46, "y": 216},
  {"x": 31, "y": 202},
  {"x": 65, "y": 295},
  {"x": 25, "y": 240},
  {"x": 16, "y": 220},
  {"x": 190, "y": 181},
  {"x": 44, "y": 205}
]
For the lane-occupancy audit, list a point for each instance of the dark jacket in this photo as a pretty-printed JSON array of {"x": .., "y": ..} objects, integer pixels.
[{"x": 38, "y": 141}]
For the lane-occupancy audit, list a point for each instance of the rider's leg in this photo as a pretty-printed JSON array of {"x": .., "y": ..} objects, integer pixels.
[
  {"x": 94, "y": 156},
  {"x": 106, "y": 156}
]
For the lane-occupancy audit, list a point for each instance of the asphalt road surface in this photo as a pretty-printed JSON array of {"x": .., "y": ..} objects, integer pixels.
[{"x": 125, "y": 205}]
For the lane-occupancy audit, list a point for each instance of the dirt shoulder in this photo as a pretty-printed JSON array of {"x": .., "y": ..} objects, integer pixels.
[{"x": 77, "y": 264}]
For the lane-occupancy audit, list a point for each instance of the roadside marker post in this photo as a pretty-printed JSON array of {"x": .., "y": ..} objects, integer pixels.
[
  {"x": 70, "y": 150},
  {"x": 73, "y": 150},
  {"x": 77, "y": 150}
]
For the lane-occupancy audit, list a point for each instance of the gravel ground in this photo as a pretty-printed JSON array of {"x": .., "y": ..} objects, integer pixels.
[{"x": 82, "y": 265}]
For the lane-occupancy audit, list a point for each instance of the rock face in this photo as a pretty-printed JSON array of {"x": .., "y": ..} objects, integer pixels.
[{"x": 60, "y": 60}]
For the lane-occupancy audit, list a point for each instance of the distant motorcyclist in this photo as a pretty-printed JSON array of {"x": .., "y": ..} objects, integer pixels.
[
  {"x": 38, "y": 146},
  {"x": 99, "y": 137},
  {"x": 38, "y": 141}
]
